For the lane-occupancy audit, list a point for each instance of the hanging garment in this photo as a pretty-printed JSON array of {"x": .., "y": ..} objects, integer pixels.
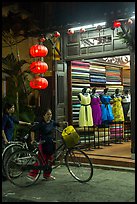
[
  {"x": 106, "y": 109},
  {"x": 96, "y": 111},
  {"x": 117, "y": 109},
  {"x": 85, "y": 113}
]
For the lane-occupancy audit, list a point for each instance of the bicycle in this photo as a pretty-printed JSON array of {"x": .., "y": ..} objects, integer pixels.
[
  {"x": 15, "y": 145},
  {"x": 21, "y": 162}
]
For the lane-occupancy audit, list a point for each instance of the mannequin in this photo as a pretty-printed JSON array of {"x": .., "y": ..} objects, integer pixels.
[
  {"x": 85, "y": 112},
  {"x": 126, "y": 99},
  {"x": 116, "y": 94},
  {"x": 117, "y": 106},
  {"x": 96, "y": 109},
  {"x": 106, "y": 109},
  {"x": 84, "y": 92}
]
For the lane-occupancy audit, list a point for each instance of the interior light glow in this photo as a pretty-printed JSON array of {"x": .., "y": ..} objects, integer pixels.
[
  {"x": 132, "y": 17},
  {"x": 89, "y": 26}
]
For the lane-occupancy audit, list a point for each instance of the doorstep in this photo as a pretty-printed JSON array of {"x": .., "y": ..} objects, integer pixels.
[{"x": 113, "y": 161}]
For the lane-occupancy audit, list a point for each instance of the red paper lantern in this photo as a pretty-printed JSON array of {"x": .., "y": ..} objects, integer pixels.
[
  {"x": 56, "y": 34},
  {"x": 116, "y": 24},
  {"x": 38, "y": 67},
  {"x": 38, "y": 51},
  {"x": 39, "y": 83}
]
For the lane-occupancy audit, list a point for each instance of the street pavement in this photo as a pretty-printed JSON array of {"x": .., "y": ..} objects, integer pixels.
[{"x": 107, "y": 185}]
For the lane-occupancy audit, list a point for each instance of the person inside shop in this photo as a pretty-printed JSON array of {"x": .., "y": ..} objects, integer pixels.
[
  {"x": 45, "y": 128},
  {"x": 117, "y": 106},
  {"x": 85, "y": 112},
  {"x": 106, "y": 109},
  {"x": 96, "y": 107},
  {"x": 126, "y": 99}
]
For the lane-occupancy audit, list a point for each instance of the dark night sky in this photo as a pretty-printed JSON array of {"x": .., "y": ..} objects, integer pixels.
[
  {"x": 88, "y": 11},
  {"x": 65, "y": 13}
]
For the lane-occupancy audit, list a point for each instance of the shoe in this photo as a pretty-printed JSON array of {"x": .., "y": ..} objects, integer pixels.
[
  {"x": 49, "y": 178},
  {"x": 31, "y": 178}
]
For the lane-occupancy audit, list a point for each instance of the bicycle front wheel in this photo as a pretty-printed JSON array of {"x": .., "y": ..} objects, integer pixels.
[
  {"x": 20, "y": 166},
  {"x": 79, "y": 165}
]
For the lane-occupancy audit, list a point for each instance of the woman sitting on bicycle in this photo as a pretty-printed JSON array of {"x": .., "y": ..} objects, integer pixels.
[{"x": 45, "y": 130}]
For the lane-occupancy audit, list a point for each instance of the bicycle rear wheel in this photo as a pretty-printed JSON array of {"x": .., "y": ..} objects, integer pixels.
[
  {"x": 19, "y": 165},
  {"x": 7, "y": 152},
  {"x": 79, "y": 165}
]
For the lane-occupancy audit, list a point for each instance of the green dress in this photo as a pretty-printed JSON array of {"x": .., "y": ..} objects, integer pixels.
[{"x": 85, "y": 113}]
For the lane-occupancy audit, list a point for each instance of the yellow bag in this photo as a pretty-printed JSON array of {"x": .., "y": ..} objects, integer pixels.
[{"x": 70, "y": 136}]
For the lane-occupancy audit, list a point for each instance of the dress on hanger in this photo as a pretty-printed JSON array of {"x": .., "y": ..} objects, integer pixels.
[
  {"x": 85, "y": 113},
  {"x": 96, "y": 109}
]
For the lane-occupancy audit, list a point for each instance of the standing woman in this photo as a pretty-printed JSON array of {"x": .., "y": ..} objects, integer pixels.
[
  {"x": 8, "y": 121},
  {"x": 45, "y": 129}
]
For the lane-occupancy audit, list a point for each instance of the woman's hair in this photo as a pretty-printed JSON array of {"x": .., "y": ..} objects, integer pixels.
[
  {"x": 7, "y": 106},
  {"x": 46, "y": 110},
  {"x": 40, "y": 113}
]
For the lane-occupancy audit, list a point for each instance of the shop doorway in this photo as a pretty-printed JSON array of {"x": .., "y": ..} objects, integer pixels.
[{"x": 113, "y": 73}]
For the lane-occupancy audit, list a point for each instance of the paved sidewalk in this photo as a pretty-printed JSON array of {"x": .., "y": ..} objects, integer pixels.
[{"x": 106, "y": 185}]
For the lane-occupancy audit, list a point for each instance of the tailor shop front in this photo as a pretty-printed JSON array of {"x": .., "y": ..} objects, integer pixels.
[{"x": 95, "y": 57}]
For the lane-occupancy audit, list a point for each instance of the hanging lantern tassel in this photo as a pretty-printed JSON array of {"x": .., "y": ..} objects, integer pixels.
[
  {"x": 39, "y": 83},
  {"x": 38, "y": 67},
  {"x": 38, "y": 51}
]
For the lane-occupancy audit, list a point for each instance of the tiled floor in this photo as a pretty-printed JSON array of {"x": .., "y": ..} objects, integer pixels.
[{"x": 115, "y": 155}]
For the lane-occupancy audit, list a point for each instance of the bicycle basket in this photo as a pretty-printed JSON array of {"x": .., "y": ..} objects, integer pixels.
[{"x": 70, "y": 136}]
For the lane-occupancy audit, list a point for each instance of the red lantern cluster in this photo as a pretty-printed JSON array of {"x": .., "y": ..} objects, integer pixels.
[
  {"x": 38, "y": 51},
  {"x": 39, "y": 83},
  {"x": 38, "y": 67}
]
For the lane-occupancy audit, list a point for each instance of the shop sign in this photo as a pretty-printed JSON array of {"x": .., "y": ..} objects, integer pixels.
[{"x": 121, "y": 60}]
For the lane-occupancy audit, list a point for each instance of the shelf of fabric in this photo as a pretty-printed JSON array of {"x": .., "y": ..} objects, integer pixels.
[
  {"x": 126, "y": 77},
  {"x": 87, "y": 137},
  {"x": 127, "y": 130},
  {"x": 79, "y": 80},
  {"x": 113, "y": 75},
  {"x": 116, "y": 131},
  {"x": 97, "y": 74},
  {"x": 112, "y": 88}
]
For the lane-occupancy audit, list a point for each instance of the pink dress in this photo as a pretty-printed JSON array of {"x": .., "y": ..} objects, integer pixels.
[{"x": 96, "y": 110}]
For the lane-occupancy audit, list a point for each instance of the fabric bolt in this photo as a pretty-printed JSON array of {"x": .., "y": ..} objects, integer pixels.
[{"x": 85, "y": 113}]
